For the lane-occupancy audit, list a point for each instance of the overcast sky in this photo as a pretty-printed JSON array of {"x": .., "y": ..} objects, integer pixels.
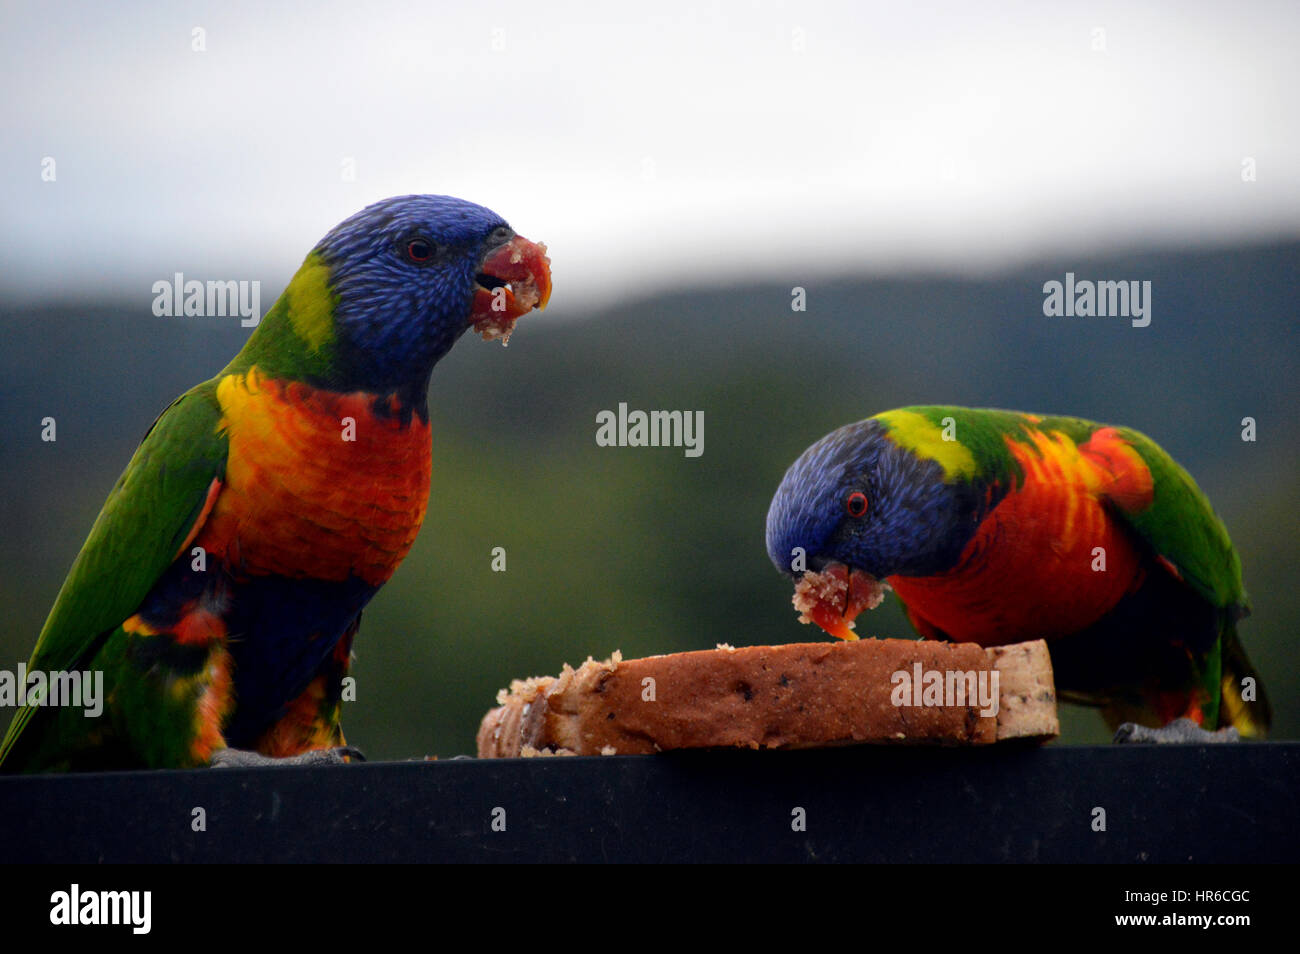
[{"x": 687, "y": 144}]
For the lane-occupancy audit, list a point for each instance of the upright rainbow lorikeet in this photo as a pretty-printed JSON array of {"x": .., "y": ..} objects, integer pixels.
[
  {"x": 221, "y": 587},
  {"x": 997, "y": 527}
]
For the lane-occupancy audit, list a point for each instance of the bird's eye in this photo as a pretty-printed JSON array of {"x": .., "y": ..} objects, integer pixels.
[
  {"x": 419, "y": 251},
  {"x": 856, "y": 504},
  {"x": 500, "y": 235}
]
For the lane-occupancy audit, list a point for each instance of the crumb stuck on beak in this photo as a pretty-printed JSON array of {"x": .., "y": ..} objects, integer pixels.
[{"x": 834, "y": 597}]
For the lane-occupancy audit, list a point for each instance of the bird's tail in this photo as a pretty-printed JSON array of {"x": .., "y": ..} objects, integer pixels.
[{"x": 1243, "y": 703}]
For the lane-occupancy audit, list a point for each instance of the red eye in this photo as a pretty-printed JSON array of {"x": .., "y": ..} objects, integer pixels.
[
  {"x": 856, "y": 505},
  {"x": 418, "y": 250}
]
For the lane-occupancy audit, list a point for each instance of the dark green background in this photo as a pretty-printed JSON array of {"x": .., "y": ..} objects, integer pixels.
[{"x": 644, "y": 549}]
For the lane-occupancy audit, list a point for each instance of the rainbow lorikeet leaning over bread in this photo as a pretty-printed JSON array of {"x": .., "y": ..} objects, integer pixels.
[
  {"x": 997, "y": 527},
  {"x": 221, "y": 587}
]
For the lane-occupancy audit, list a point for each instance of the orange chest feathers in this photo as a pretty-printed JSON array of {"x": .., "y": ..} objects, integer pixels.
[
  {"x": 1051, "y": 558},
  {"x": 318, "y": 485}
]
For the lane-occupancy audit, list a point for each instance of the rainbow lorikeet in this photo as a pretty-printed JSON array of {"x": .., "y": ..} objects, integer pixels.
[
  {"x": 221, "y": 587},
  {"x": 997, "y": 527}
]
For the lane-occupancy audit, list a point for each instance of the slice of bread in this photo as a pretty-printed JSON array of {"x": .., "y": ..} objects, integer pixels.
[{"x": 798, "y": 695}]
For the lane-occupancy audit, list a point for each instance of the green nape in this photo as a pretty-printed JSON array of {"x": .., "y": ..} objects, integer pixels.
[
  {"x": 968, "y": 443},
  {"x": 296, "y": 338}
]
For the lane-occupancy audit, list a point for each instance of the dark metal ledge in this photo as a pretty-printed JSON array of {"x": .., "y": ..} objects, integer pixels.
[{"x": 1223, "y": 803}]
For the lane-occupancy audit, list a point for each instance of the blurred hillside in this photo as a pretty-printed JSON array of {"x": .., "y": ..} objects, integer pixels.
[{"x": 644, "y": 549}]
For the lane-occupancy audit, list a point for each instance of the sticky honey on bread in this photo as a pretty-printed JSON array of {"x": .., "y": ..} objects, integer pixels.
[{"x": 798, "y": 695}]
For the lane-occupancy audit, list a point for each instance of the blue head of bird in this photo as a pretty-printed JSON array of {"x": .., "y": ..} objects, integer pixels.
[
  {"x": 857, "y": 503},
  {"x": 387, "y": 292}
]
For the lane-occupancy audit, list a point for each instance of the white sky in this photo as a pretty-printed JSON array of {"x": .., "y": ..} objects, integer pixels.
[{"x": 685, "y": 145}]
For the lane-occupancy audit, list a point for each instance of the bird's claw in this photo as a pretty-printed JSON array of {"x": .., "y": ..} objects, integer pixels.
[
  {"x": 1178, "y": 732},
  {"x": 242, "y": 758}
]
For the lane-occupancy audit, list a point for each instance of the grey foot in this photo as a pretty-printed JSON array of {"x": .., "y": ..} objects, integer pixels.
[
  {"x": 242, "y": 758},
  {"x": 1178, "y": 732}
]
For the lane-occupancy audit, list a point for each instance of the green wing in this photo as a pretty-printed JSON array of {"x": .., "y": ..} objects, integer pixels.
[
  {"x": 147, "y": 517},
  {"x": 1183, "y": 528}
]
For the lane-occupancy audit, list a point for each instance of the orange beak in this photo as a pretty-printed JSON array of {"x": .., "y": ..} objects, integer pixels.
[
  {"x": 513, "y": 280},
  {"x": 834, "y": 597}
]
